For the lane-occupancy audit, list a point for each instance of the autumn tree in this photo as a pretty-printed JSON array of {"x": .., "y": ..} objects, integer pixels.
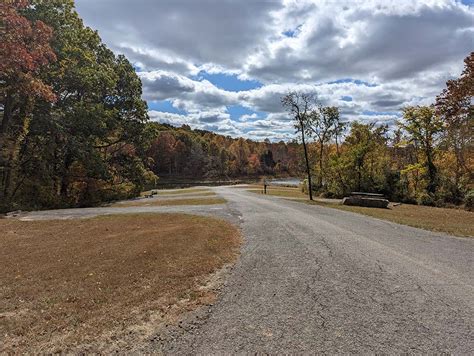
[
  {"x": 24, "y": 50},
  {"x": 88, "y": 144},
  {"x": 240, "y": 153},
  {"x": 455, "y": 106}
]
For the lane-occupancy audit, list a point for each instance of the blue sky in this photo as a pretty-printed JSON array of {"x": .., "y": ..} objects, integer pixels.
[
  {"x": 229, "y": 82},
  {"x": 224, "y": 65}
]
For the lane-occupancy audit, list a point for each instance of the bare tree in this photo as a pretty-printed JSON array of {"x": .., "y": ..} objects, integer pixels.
[{"x": 299, "y": 106}]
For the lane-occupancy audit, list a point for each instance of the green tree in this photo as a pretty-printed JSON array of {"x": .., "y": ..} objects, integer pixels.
[
  {"x": 89, "y": 145},
  {"x": 422, "y": 126},
  {"x": 364, "y": 156}
]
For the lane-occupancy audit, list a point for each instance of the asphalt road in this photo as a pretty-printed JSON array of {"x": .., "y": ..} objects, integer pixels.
[{"x": 313, "y": 279}]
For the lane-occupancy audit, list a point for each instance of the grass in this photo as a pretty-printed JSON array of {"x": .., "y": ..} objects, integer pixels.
[
  {"x": 451, "y": 221},
  {"x": 285, "y": 192},
  {"x": 197, "y": 194},
  {"x": 94, "y": 284},
  {"x": 169, "y": 202}
]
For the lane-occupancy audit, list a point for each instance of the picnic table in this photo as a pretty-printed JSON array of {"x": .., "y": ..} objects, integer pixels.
[{"x": 370, "y": 200}]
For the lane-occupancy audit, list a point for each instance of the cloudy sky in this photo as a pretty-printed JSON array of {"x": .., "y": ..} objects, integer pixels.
[{"x": 223, "y": 65}]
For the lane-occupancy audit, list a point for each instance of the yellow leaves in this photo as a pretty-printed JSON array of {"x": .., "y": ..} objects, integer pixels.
[{"x": 413, "y": 167}]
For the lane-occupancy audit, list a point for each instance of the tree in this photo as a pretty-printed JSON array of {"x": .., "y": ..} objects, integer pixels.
[
  {"x": 422, "y": 126},
  {"x": 324, "y": 123},
  {"x": 88, "y": 145},
  {"x": 299, "y": 106},
  {"x": 266, "y": 159},
  {"x": 240, "y": 152},
  {"x": 363, "y": 156},
  {"x": 162, "y": 151},
  {"x": 455, "y": 105},
  {"x": 24, "y": 50}
]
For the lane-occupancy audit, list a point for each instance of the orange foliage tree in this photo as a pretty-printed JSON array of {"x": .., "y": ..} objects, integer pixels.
[{"x": 24, "y": 50}]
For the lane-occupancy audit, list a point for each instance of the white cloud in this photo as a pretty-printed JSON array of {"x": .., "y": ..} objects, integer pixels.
[{"x": 407, "y": 49}]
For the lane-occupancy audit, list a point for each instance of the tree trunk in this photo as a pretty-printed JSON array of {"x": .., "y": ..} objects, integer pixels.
[
  {"x": 7, "y": 114},
  {"x": 359, "y": 177},
  {"x": 65, "y": 176},
  {"x": 320, "y": 182},
  {"x": 308, "y": 171},
  {"x": 432, "y": 173}
]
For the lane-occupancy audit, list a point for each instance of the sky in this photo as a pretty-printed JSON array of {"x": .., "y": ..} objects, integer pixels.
[{"x": 223, "y": 65}]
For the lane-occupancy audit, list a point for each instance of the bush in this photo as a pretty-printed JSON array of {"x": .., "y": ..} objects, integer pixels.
[
  {"x": 469, "y": 201},
  {"x": 304, "y": 186},
  {"x": 425, "y": 199},
  {"x": 328, "y": 195}
]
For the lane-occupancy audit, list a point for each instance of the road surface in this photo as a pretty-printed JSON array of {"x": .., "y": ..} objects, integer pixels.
[{"x": 314, "y": 279}]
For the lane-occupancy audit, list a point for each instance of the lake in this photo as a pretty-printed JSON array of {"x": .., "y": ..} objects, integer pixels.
[{"x": 294, "y": 182}]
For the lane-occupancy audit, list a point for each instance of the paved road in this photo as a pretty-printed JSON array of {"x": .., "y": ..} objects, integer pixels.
[{"x": 313, "y": 279}]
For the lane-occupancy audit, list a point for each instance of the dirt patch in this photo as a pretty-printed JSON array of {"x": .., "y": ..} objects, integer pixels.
[
  {"x": 98, "y": 284},
  {"x": 169, "y": 202}
]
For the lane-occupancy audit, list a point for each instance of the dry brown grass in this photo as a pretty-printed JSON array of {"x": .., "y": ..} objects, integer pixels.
[
  {"x": 197, "y": 194},
  {"x": 169, "y": 202},
  {"x": 451, "y": 221},
  {"x": 286, "y": 192},
  {"x": 84, "y": 285}
]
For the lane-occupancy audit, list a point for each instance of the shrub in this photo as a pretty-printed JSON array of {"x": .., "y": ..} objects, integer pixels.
[
  {"x": 469, "y": 201},
  {"x": 327, "y": 194},
  {"x": 425, "y": 199},
  {"x": 304, "y": 186}
]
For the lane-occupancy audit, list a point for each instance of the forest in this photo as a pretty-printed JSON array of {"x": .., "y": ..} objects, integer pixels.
[
  {"x": 75, "y": 130},
  {"x": 183, "y": 152}
]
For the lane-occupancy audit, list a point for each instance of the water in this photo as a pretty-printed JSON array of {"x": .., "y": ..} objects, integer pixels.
[{"x": 293, "y": 182}]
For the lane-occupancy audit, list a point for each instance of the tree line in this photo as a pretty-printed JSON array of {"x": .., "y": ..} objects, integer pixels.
[
  {"x": 183, "y": 152},
  {"x": 426, "y": 159}
]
